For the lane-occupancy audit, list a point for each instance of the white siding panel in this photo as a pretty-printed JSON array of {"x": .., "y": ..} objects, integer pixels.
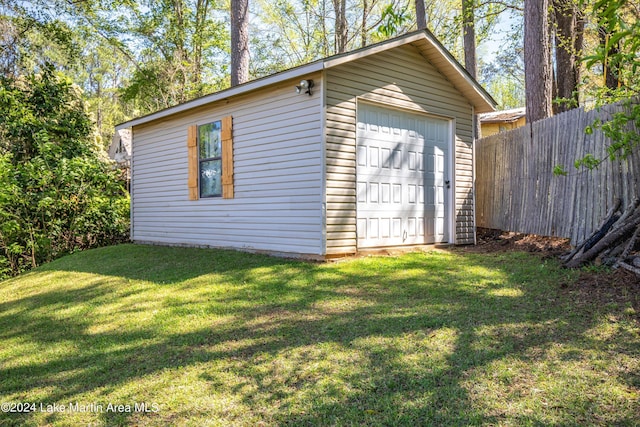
[
  {"x": 277, "y": 177},
  {"x": 400, "y": 78}
]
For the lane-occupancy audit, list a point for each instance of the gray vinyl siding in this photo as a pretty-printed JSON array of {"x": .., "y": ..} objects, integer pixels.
[
  {"x": 278, "y": 165},
  {"x": 401, "y": 78}
]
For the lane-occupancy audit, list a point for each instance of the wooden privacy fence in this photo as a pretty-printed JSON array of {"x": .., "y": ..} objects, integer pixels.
[{"x": 516, "y": 189}]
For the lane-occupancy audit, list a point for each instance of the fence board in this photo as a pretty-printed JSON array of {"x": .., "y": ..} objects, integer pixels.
[{"x": 516, "y": 188}]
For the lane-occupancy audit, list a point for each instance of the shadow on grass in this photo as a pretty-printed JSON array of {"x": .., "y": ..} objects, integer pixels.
[
  {"x": 161, "y": 265},
  {"x": 374, "y": 341}
]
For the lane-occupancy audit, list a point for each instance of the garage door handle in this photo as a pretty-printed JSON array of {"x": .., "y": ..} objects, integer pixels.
[{"x": 448, "y": 183}]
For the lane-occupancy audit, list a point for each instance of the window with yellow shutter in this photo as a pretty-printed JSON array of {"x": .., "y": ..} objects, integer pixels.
[{"x": 211, "y": 159}]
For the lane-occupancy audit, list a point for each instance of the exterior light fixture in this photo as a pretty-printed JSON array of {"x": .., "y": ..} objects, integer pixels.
[{"x": 305, "y": 87}]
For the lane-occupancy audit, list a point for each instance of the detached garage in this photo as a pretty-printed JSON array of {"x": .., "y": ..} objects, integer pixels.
[{"x": 373, "y": 148}]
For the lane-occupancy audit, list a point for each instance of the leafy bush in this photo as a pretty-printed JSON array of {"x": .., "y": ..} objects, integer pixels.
[
  {"x": 58, "y": 193},
  {"x": 617, "y": 56}
]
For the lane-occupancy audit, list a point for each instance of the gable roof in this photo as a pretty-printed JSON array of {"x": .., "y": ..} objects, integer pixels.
[{"x": 423, "y": 40}]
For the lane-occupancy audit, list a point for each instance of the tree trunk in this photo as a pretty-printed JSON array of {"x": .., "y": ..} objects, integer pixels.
[
  {"x": 469, "y": 36},
  {"x": 421, "y": 14},
  {"x": 181, "y": 56},
  {"x": 365, "y": 14},
  {"x": 325, "y": 39},
  {"x": 340, "y": 9},
  {"x": 469, "y": 41},
  {"x": 202, "y": 7},
  {"x": 609, "y": 67},
  {"x": 537, "y": 61},
  {"x": 239, "y": 41},
  {"x": 568, "y": 45}
]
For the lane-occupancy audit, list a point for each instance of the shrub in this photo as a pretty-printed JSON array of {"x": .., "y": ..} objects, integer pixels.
[{"x": 58, "y": 192}]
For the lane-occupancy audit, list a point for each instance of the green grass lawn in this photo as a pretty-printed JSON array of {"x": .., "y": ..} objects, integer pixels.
[{"x": 209, "y": 337}]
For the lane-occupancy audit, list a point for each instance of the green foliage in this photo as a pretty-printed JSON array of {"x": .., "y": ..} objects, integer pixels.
[
  {"x": 559, "y": 170},
  {"x": 622, "y": 129},
  {"x": 179, "y": 48},
  {"x": 616, "y": 60},
  {"x": 57, "y": 194},
  {"x": 38, "y": 114},
  {"x": 506, "y": 90},
  {"x": 392, "y": 21},
  {"x": 29, "y": 39},
  {"x": 589, "y": 161},
  {"x": 291, "y": 33},
  {"x": 568, "y": 103}
]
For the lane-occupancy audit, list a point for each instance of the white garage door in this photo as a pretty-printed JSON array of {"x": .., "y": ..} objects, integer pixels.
[{"x": 402, "y": 178}]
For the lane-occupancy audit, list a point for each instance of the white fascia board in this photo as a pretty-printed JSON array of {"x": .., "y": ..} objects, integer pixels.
[{"x": 227, "y": 93}]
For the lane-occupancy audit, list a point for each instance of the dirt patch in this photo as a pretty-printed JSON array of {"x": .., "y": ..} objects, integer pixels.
[{"x": 500, "y": 241}]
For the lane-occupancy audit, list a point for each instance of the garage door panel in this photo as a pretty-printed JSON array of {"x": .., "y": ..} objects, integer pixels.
[
  {"x": 385, "y": 228},
  {"x": 430, "y": 227},
  {"x": 412, "y": 193},
  {"x": 374, "y": 192},
  {"x": 392, "y": 191},
  {"x": 387, "y": 231},
  {"x": 385, "y": 193},
  {"x": 373, "y": 228},
  {"x": 397, "y": 228},
  {"x": 374, "y": 156},
  {"x": 420, "y": 223},
  {"x": 361, "y": 227},
  {"x": 397, "y": 193},
  {"x": 362, "y": 192},
  {"x": 401, "y": 171},
  {"x": 361, "y": 156}
]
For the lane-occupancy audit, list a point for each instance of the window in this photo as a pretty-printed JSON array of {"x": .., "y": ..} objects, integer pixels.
[{"x": 210, "y": 159}]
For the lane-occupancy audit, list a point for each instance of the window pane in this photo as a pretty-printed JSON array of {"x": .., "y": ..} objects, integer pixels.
[
  {"x": 211, "y": 178},
  {"x": 209, "y": 140}
]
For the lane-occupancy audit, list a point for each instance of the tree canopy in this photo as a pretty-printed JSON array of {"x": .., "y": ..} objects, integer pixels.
[{"x": 134, "y": 57}]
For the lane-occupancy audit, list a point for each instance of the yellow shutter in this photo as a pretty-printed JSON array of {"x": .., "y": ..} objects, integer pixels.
[
  {"x": 227, "y": 157},
  {"x": 192, "y": 145}
]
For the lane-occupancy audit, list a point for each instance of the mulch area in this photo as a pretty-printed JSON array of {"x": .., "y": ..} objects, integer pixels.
[
  {"x": 501, "y": 241},
  {"x": 600, "y": 285}
]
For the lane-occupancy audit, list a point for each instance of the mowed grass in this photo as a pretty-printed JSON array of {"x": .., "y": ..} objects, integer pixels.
[{"x": 210, "y": 337}]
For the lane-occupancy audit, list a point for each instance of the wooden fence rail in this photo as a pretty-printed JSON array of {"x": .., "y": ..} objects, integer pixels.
[{"x": 516, "y": 189}]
